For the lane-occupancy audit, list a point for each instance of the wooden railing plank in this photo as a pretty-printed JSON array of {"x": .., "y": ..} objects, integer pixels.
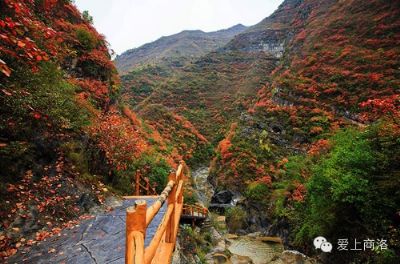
[
  {"x": 150, "y": 251},
  {"x": 153, "y": 210},
  {"x": 139, "y": 217},
  {"x": 135, "y": 232},
  {"x": 139, "y": 243},
  {"x": 169, "y": 235}
]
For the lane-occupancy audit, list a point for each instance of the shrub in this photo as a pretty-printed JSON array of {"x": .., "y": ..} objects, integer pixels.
[
  {"x": 257, "y": 191},
  {"x": 195, "y": 242},
  {"x": 157, "y": 170},
  {"x": 42, "y": 100},
  {"x": 87, "y": 40},
  {"x": 353, "y": 190},
  {"x": 236, "y": 219},
  {"x": 189, "y": 198}
]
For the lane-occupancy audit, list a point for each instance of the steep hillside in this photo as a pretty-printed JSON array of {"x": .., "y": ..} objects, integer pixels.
[
  {"x": 303, "y": 112},
  {"x": 176, "y": 49},
  {"x": 56, "y": 79},
  {"x": 210, "y": 92},
  {"x": 298, "y": 114},
  {"x": 295, "y": 150},
  {"x": 65, "y": 142}
]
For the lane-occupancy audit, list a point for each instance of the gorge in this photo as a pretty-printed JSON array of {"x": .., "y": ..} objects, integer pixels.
[{"x": 297, "y": 117}]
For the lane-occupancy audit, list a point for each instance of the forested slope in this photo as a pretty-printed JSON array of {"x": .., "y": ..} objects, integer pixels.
[
  {"x": 308, "y": 100},
  {"x": 66, "y": 140}
]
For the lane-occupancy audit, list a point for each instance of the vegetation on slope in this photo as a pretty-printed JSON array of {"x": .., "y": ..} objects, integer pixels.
[
  {"x": 339, "y": 70},
  {"x": 210, "y": 92},
  {"x": 65, "y": 139},
  {"x": 177, "y": 49},
  {"x": 302, "y": 109}
]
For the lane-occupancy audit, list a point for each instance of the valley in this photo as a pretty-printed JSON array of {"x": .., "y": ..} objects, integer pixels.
[{"x": 291, "y": 128}]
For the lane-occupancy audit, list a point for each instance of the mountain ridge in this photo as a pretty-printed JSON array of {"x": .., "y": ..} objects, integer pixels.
[
  {"x": 184, "y": 45},
  {"x": 280, "y": 101}
]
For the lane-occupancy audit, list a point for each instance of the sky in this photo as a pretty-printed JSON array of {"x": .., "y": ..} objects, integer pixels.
[{"x": 131, "y": 23}]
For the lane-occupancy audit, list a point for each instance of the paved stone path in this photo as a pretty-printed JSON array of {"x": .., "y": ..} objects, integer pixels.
[{"x": 98, "y": 240}]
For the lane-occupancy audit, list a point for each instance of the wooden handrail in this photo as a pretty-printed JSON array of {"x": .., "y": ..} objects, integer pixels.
[
  {"x": 135, "y": 232},
  {"x": 153, "y": 210},
  {"x": 142, "y": 185},
  {"x": 192, "y": 210},
  {"x": 150, "y": 251},
  {"x": 139, "y": 217}
]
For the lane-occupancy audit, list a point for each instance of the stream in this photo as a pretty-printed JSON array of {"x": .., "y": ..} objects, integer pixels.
[
  {"x": 203, "y": 190},
  {"x": 247, "y": 246}
]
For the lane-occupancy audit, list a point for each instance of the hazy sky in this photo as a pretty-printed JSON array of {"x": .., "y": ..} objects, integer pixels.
[{"x": 131, "y": 23}]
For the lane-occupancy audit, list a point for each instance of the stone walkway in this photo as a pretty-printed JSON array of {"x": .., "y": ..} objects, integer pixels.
[{"x": 97, "y": 240}]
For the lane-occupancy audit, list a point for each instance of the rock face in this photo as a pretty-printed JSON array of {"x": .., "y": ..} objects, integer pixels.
[
  {"x": 222, "y": 197},
  {"x": 221, "y": 201},
  {"x": 176, "y": 256},
  {"x": 270, "y": 35},
  {"x": 186, "y": 44},
  {"x": 280, "y": 228}
]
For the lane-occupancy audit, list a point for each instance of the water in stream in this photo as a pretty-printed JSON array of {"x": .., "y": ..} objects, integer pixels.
[
  {"x": 258, "y": 251},
  {"x": 202, "y": 188}
]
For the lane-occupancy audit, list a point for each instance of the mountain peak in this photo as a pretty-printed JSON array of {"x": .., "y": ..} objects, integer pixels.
[{"x": 183, "y": 45}]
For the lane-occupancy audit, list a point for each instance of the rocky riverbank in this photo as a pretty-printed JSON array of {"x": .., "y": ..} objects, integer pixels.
[{"x": 247, "y": 245}]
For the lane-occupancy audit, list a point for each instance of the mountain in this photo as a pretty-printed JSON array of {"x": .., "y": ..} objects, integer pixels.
[
  {"x": 298, "y": 115},
  {"x": 63, "y": 137},
  {"x": 302, "y": 110},
  {"x": 187, "y": 44}
]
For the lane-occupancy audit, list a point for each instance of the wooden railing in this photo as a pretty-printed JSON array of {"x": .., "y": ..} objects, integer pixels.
[
  {"x": 142, "y": 185},
  {"x": 195, "y": 211},
  {"x": 138, "y": 218}
]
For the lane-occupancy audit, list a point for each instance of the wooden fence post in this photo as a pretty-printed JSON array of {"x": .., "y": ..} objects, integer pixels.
[
  {"x": 147, "y": 185},
  {"x": 137, "y": 181},
  {"x": 135, "y": 225},
  {"x": 182, "y": 176},
  {"x": 169, "y": 235},
  {"x": 154, "y": 188}
]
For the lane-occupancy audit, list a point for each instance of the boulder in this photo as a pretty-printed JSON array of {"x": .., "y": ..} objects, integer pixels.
[
  {"x": 254, "y": 234},
  {"x": 218, "y": 249},
  {"x": 215, "y": 234},
  {"x": 241, "y": 232},
  {"x": 220, "y": 208},
  {"x": 280, "y": 229},
  {"x": 295, "y": 257},
  {"x": 222, "y": 197},
  {"x": 231, "y": 236},
  {"x": 236, "y": 259},
  {"x": 270, "y": 239},
  {"x": 220, "y": 258}
]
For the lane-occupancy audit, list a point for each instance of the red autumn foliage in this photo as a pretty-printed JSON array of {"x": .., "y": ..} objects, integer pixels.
[
  {"x": 319, "y": 147},
  {"x": 225, "y": 144},
  {"x": 267, "y": 180},
  {"x": 386, "y": 106},
  {"x": 98, "y": 57},
  {"x": 97, "y": 89},
  {"x": 299, "y": 193},
  {"x": 316, "y": 130},
  {"x": 119, "y": 139}
]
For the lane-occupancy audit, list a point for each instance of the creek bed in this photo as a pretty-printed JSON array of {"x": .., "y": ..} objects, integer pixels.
[{"x": 258, "y": 251}]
